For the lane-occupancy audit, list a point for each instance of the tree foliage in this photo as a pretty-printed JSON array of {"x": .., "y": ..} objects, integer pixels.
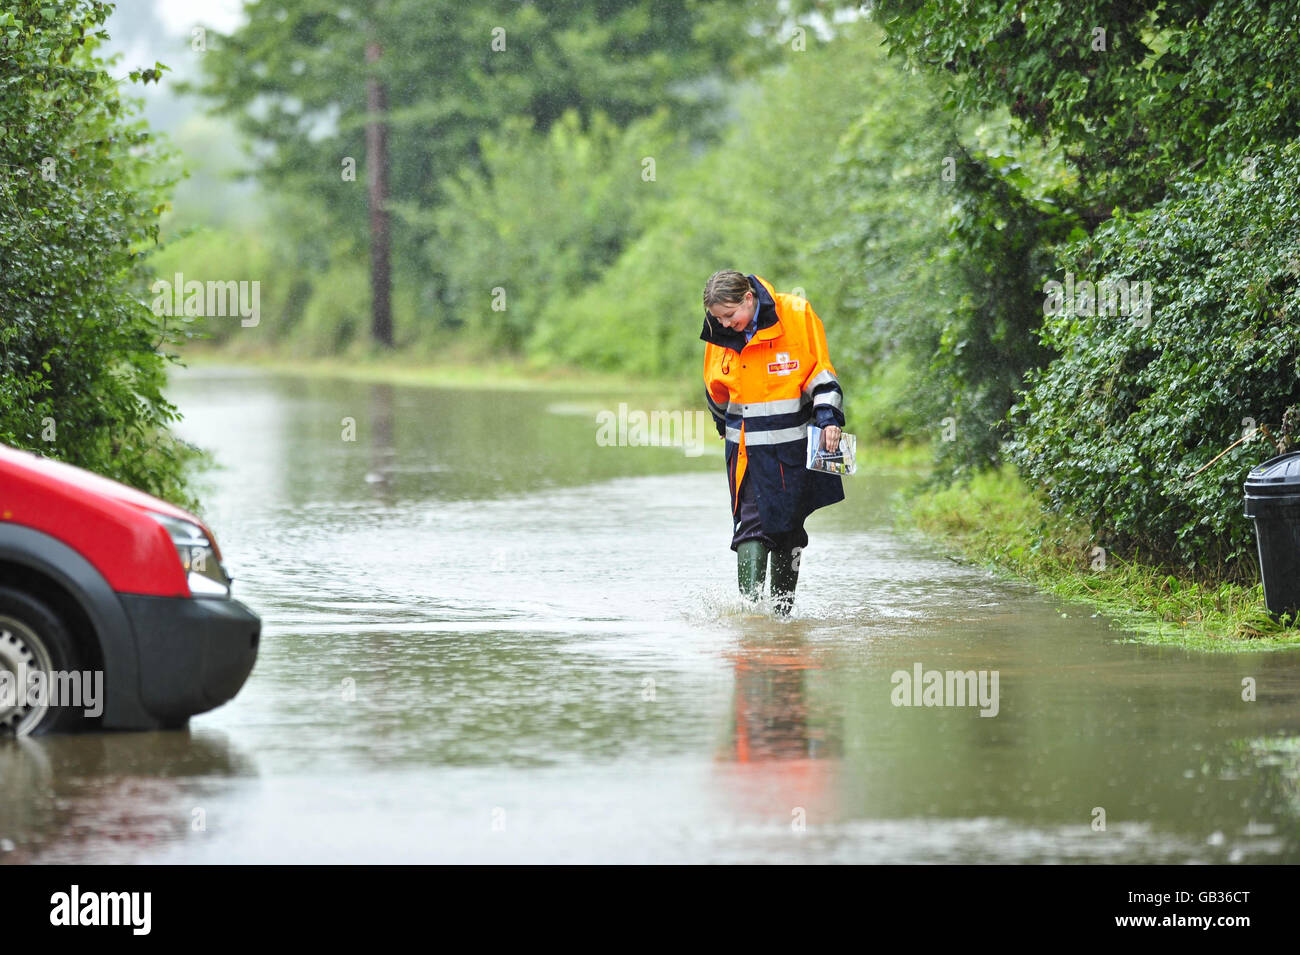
[
  {"x": 1137, "y": 92},
  {"x": 81, "y": 373},
  {"x": 1134, "y": 97},
  {"x": 547, "y": 215},
  {"x": 295, "y": 75},
  {"x": 778, "y": 197},
  {"x": 1122, "y": 428}
]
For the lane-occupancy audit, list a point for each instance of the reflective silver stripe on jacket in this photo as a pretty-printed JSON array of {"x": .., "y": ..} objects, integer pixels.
[
  {"x": 832, "y": 398},
  {"x": 761, "y": 409},
  {"x": 779, "y": 436},
  {"x": 821, "y": 378}
]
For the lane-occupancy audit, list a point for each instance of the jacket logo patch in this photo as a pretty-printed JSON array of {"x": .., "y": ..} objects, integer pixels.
[{"x": 783, "y": 365}]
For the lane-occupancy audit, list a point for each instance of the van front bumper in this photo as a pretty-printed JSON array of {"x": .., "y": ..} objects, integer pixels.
[{"x": 195, "y": 652}]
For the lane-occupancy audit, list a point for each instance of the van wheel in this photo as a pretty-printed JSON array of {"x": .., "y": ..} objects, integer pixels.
[{"x": 33, "y": 638}]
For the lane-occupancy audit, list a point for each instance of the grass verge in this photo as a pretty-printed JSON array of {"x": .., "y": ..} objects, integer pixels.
[{"x": 996, "y": 520}]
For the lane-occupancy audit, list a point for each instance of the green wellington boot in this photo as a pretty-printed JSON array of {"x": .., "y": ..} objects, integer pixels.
[
  {"x": 785, "y": 576},
  {"x": 751, "y": 568}
]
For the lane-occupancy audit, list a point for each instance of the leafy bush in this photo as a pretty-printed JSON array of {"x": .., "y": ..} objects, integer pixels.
[
  {"x": 1003, "y": 235},
  {"x": 81, "y": 374},
  {"x": 1126, "y": 97},
  {"x": 1121, "y": 428},
  {"x": 797, "y": 194},
  {"x": 550, "y": 212},
  {"x": 874, "y": 259},
  {"x": 336, "y": 313}
]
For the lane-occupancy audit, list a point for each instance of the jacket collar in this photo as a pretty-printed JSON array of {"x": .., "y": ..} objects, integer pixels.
[{"x": 717, "y": 334}]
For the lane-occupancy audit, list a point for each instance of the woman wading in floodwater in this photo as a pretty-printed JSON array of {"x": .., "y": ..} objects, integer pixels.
[{"x": 767, "y": 376}]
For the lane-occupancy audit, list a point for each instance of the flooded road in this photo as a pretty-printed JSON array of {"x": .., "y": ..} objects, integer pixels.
[{"x": 474, "y": 653}]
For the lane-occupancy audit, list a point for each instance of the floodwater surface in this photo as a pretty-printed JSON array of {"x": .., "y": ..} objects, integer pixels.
[{"x": 489, "y": 637}]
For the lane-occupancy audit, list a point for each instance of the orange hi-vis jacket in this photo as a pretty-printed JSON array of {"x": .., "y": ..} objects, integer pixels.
[{"x": 763, "y": 394}]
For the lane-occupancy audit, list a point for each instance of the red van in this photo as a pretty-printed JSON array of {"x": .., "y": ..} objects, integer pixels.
[{"x": 115, "y": 609}]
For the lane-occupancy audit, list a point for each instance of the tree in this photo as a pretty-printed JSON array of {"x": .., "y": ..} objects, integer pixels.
[
  {"x": 298, "y": 77},
  {"x": 1175, "y": 120},
  {"x": 1131, "y": 96}
]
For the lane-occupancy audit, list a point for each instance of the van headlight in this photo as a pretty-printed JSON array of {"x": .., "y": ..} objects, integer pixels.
[{"x": 204, "y": 573}]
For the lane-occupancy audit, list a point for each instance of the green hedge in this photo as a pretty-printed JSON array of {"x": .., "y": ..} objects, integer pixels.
[
  {"x": 1119, "y": 429},
  {"x": 81, "y": 373}
]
